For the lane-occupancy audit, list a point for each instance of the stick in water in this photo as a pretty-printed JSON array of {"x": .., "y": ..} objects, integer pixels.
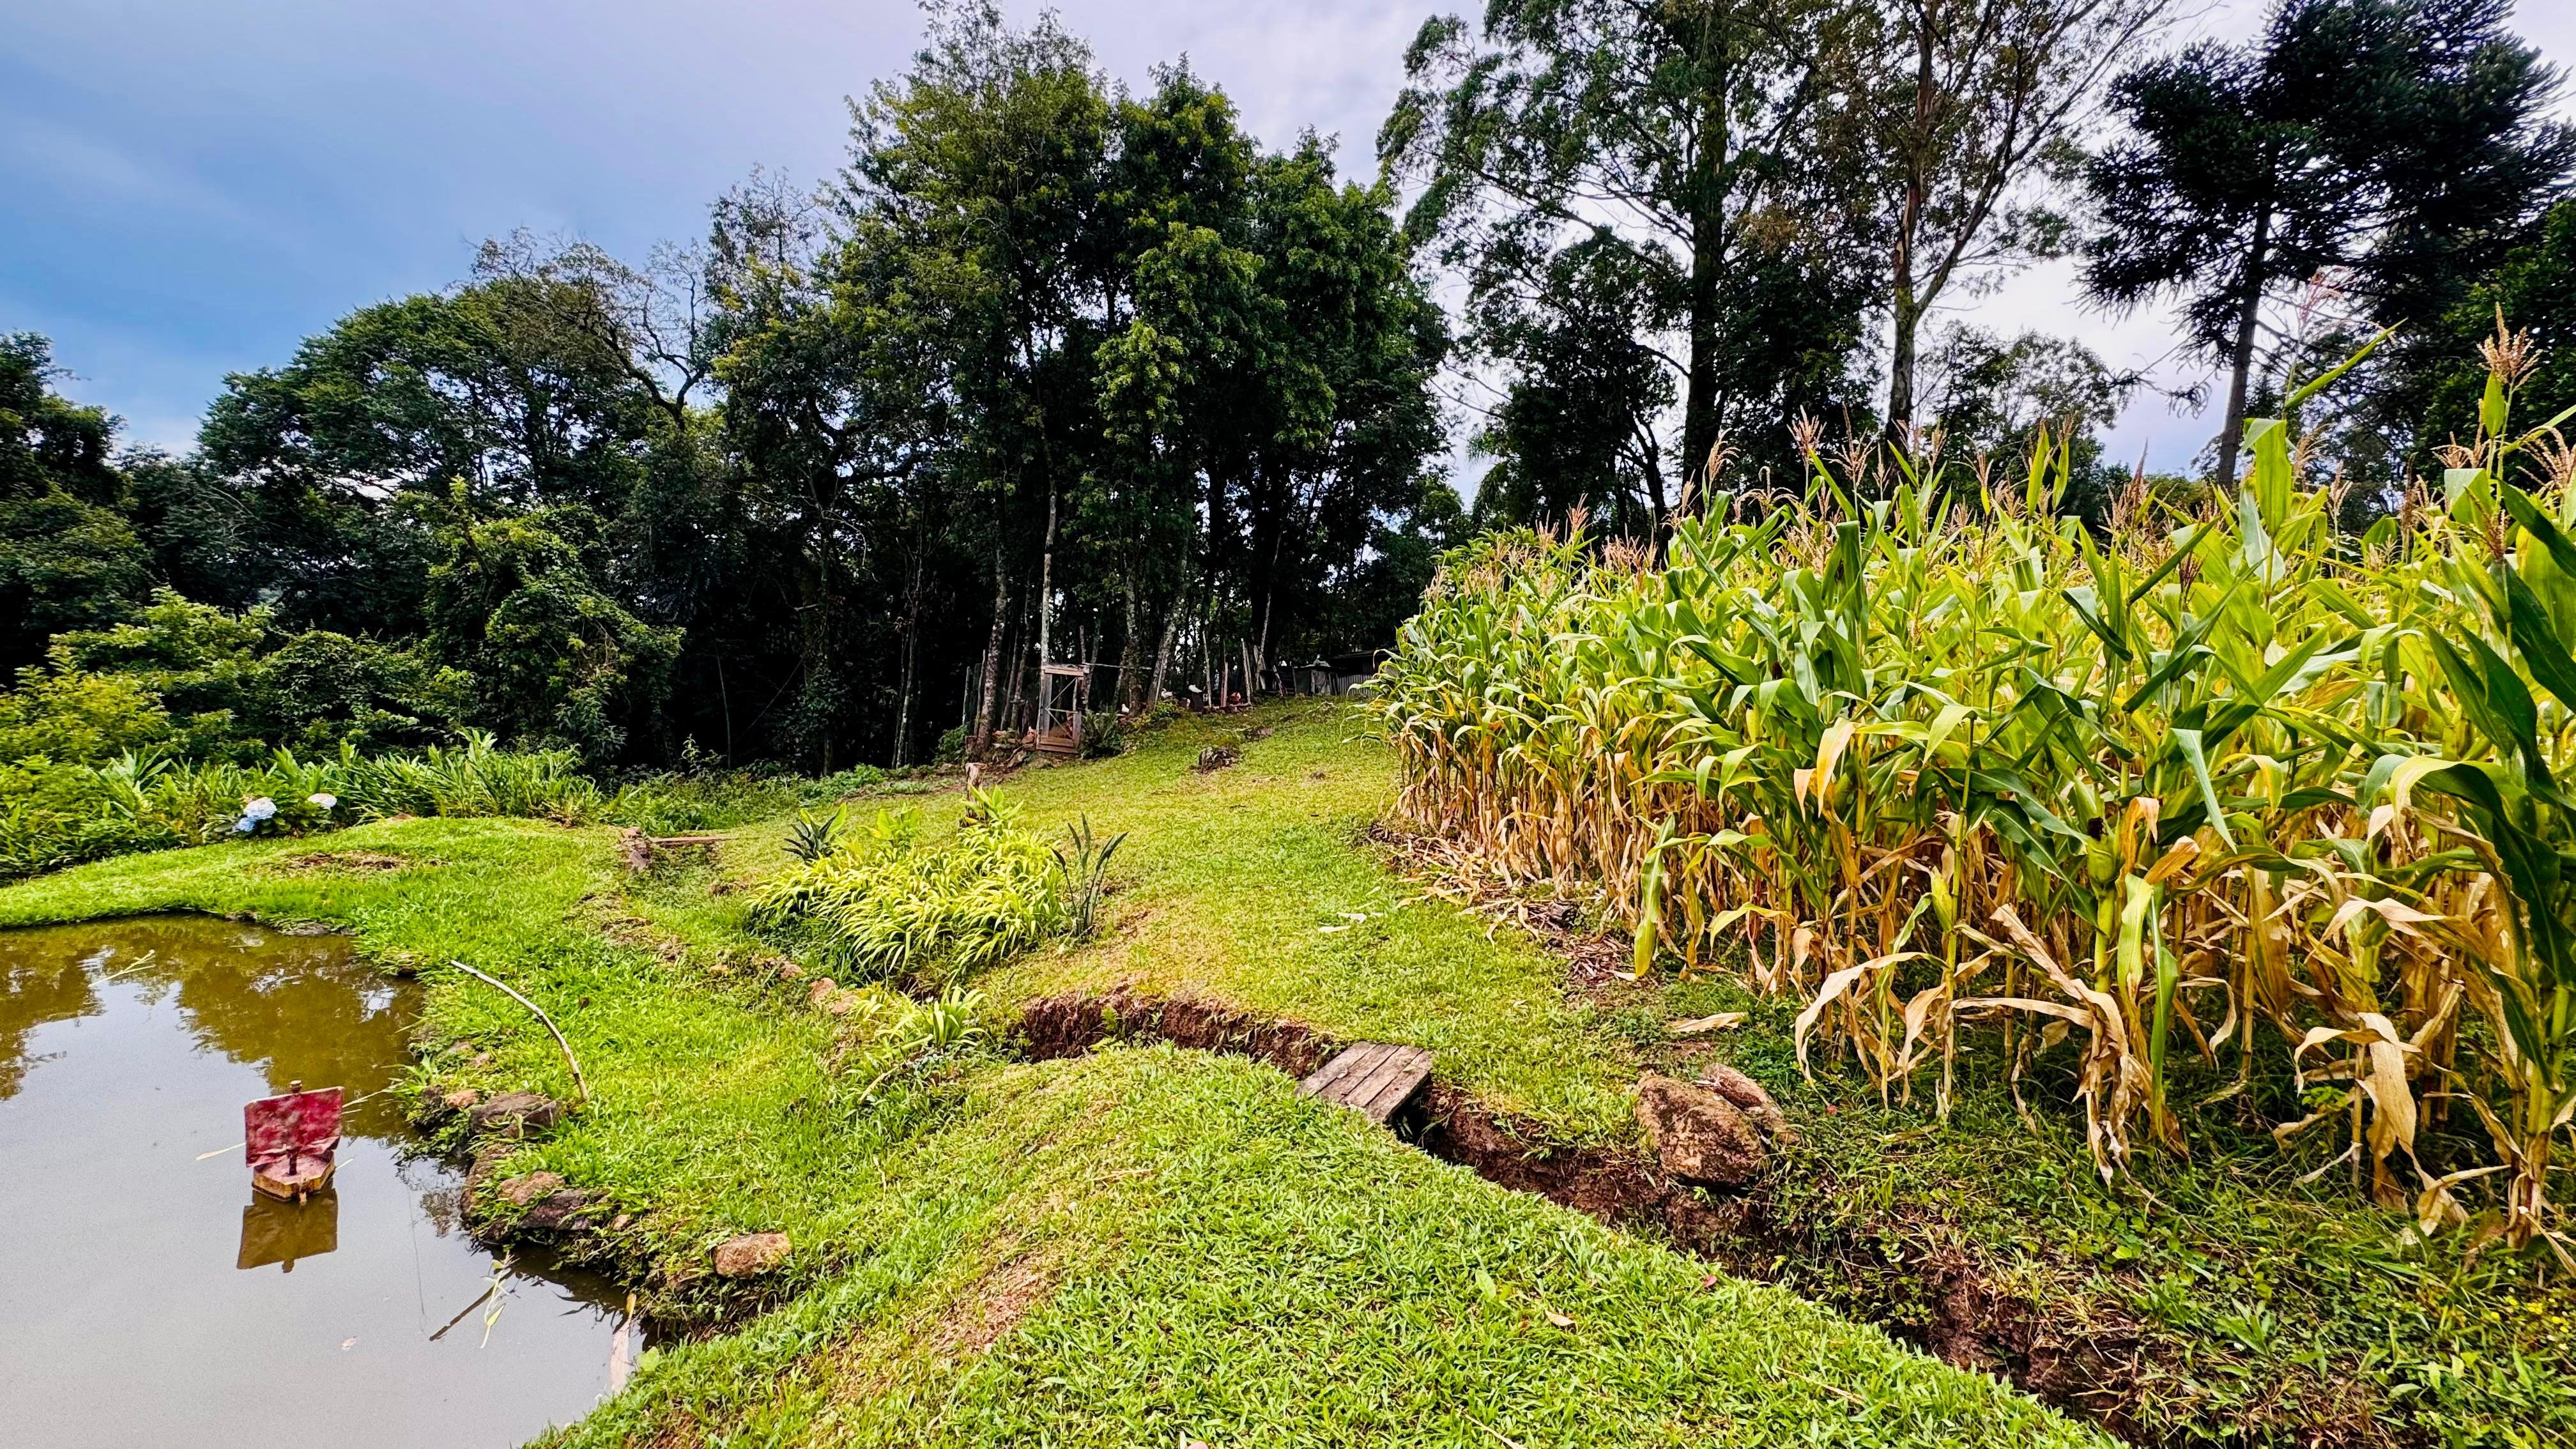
[{"x": 578, "y": 1084}]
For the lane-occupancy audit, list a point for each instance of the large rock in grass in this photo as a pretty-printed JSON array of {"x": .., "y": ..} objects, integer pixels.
[
  {"x": 545, "y": 1201},
  {"x": 1750, "y": 1098},
  {"x": 1700, "y": 1137},
  {"x": 516, "y": 1113},
  {"x": 750, "y": 1255}
]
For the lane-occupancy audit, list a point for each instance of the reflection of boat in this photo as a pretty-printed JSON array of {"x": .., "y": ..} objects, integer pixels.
[
  {"x": 278, "y": 1231},
  {"x": 292, "y": 1140}
]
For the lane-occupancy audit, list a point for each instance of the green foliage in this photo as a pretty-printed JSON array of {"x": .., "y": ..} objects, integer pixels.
[
  {"x": 61, "y": 814},
  {"x": 68, "y": 559},
  {"x": 1601, "y": 177},
  {"x": 2400, "y": 147},
  {"x": 1084, "y": 858},
  {"x": 79, "y": 718},
  {"x": 237, "y": 687},
  {"x": 1103, "y": 734},
  {"x": 553, "y": 658},
  {"x": 892, "y": 906},
  {"x": 810, "y": 837}
]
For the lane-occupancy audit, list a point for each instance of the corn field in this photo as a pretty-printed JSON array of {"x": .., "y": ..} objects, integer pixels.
[{"x": 2222, "y": 782}]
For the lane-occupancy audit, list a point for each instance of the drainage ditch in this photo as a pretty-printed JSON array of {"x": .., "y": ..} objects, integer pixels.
[{"x": 1945, "y": 1304}]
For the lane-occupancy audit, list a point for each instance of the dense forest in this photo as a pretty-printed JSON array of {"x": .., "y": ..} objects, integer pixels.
[{"x": 1059, "y": 370}]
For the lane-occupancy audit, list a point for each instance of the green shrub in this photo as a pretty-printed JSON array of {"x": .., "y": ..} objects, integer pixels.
[
  {"x": 1103, "y": 735},
  {"x": 891, "y": 905},
  {"x": 53, "y": 815}
]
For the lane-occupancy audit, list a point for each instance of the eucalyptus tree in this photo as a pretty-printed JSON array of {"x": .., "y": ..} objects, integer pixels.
[
  {"x": 1959, "y": 105},
  {"x": 1683, "y": 132}
]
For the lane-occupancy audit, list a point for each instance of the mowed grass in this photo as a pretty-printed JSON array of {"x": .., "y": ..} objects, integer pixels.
[
  {"x": 1248, "y": 885},
  {"x": 1152, "y": 1246},
  {"x": 1142, "y": 1246}
]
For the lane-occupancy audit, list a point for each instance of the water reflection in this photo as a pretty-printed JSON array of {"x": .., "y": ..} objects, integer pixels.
[
  {"x": 277, "y": 1231},
  {"x": 130, "y": 1312}
]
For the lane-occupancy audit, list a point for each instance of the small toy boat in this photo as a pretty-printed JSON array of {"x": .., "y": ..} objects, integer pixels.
[{"x": 292, "y": 1141}]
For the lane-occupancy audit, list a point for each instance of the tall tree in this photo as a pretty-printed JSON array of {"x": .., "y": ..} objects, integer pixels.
[
  {"x": 2398, "y": 143},
  {"x": 68, "y": 557},
  {"x": 1679, "y": 130},
  {"x": 1960, "y": 102}
]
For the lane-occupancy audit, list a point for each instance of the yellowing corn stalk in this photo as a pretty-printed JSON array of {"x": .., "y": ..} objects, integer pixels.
[{"x": 2227, "y": 783}]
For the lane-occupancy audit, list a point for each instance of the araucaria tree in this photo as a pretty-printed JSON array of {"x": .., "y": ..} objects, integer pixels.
[{"x": 2394, "y": 147}]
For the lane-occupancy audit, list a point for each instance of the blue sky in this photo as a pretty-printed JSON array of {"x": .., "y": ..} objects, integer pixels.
[{"x": 191, "y": 188}]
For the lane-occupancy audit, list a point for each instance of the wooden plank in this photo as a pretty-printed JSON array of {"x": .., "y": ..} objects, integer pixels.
[
  {"x": 1364, "y": 1089},
  {"x": 1335, "y": 1072},
  {"x": 1413, "y": 1069},
  {"x": 1374, "y": 1078}
]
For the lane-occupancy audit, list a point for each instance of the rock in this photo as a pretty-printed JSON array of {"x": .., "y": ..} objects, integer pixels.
[
  {"x": 461, "y": 1099},
  {"x": 1748, "y": 1096},
  {"x": 1699, "y": 1136},
  {"x": 548, "y": 1203},
  {"x": 523, "y": 1190},
  {"x": 517, "y": 1113},
  {"x": 751, "y": 1255}
]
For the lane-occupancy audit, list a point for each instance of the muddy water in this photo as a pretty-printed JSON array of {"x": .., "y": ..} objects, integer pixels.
[{"x": 148, "y": 1296}]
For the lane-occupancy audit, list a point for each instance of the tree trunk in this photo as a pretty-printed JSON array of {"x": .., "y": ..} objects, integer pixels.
[
  {"x": 1131, "y": 653},
  {"x": 1163, "y": 652},
  {"x": 911, "y": 651},
  {"x": 1709, "y": 235},
  {"x": 2249, "y": 315},
  {"x": 982, "y": 739},
  {"x": 1905, "y": 309}
]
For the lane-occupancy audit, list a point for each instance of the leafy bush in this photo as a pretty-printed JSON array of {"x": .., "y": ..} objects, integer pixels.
[
  {"x": 53, "y": 815},
  {"x": 1102, "y": 735},
  {"x": 892, "y": 905},
  {"x": 810, "y": 837}
]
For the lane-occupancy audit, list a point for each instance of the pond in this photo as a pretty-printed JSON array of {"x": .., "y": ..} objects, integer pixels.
[{"x": 151, "y": 1297}]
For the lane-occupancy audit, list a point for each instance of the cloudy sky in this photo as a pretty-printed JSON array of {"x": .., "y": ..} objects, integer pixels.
[{"x": 192, "y": 187}]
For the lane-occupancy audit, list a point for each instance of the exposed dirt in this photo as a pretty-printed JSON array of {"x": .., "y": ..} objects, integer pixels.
[
  {"x": 1945, "y": 1303},
  {"x": 352, "y": 862}
]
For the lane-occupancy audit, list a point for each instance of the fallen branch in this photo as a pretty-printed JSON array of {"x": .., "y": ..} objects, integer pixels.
[{"x": 578, "y": 1083}]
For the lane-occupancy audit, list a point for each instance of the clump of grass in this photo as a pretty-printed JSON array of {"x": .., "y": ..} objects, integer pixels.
[
  {"x": 894, "y": 906},
  {"x": 1085, "y": 859}
]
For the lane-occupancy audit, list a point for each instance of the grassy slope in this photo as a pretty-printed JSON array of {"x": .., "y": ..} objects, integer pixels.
[
  {"x": 1130, "y": 1247},
  {"x": 1240, "y": 885}
]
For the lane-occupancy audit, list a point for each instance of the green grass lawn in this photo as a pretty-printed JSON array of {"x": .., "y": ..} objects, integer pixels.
[{"x": 1141, "y": 1246}]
